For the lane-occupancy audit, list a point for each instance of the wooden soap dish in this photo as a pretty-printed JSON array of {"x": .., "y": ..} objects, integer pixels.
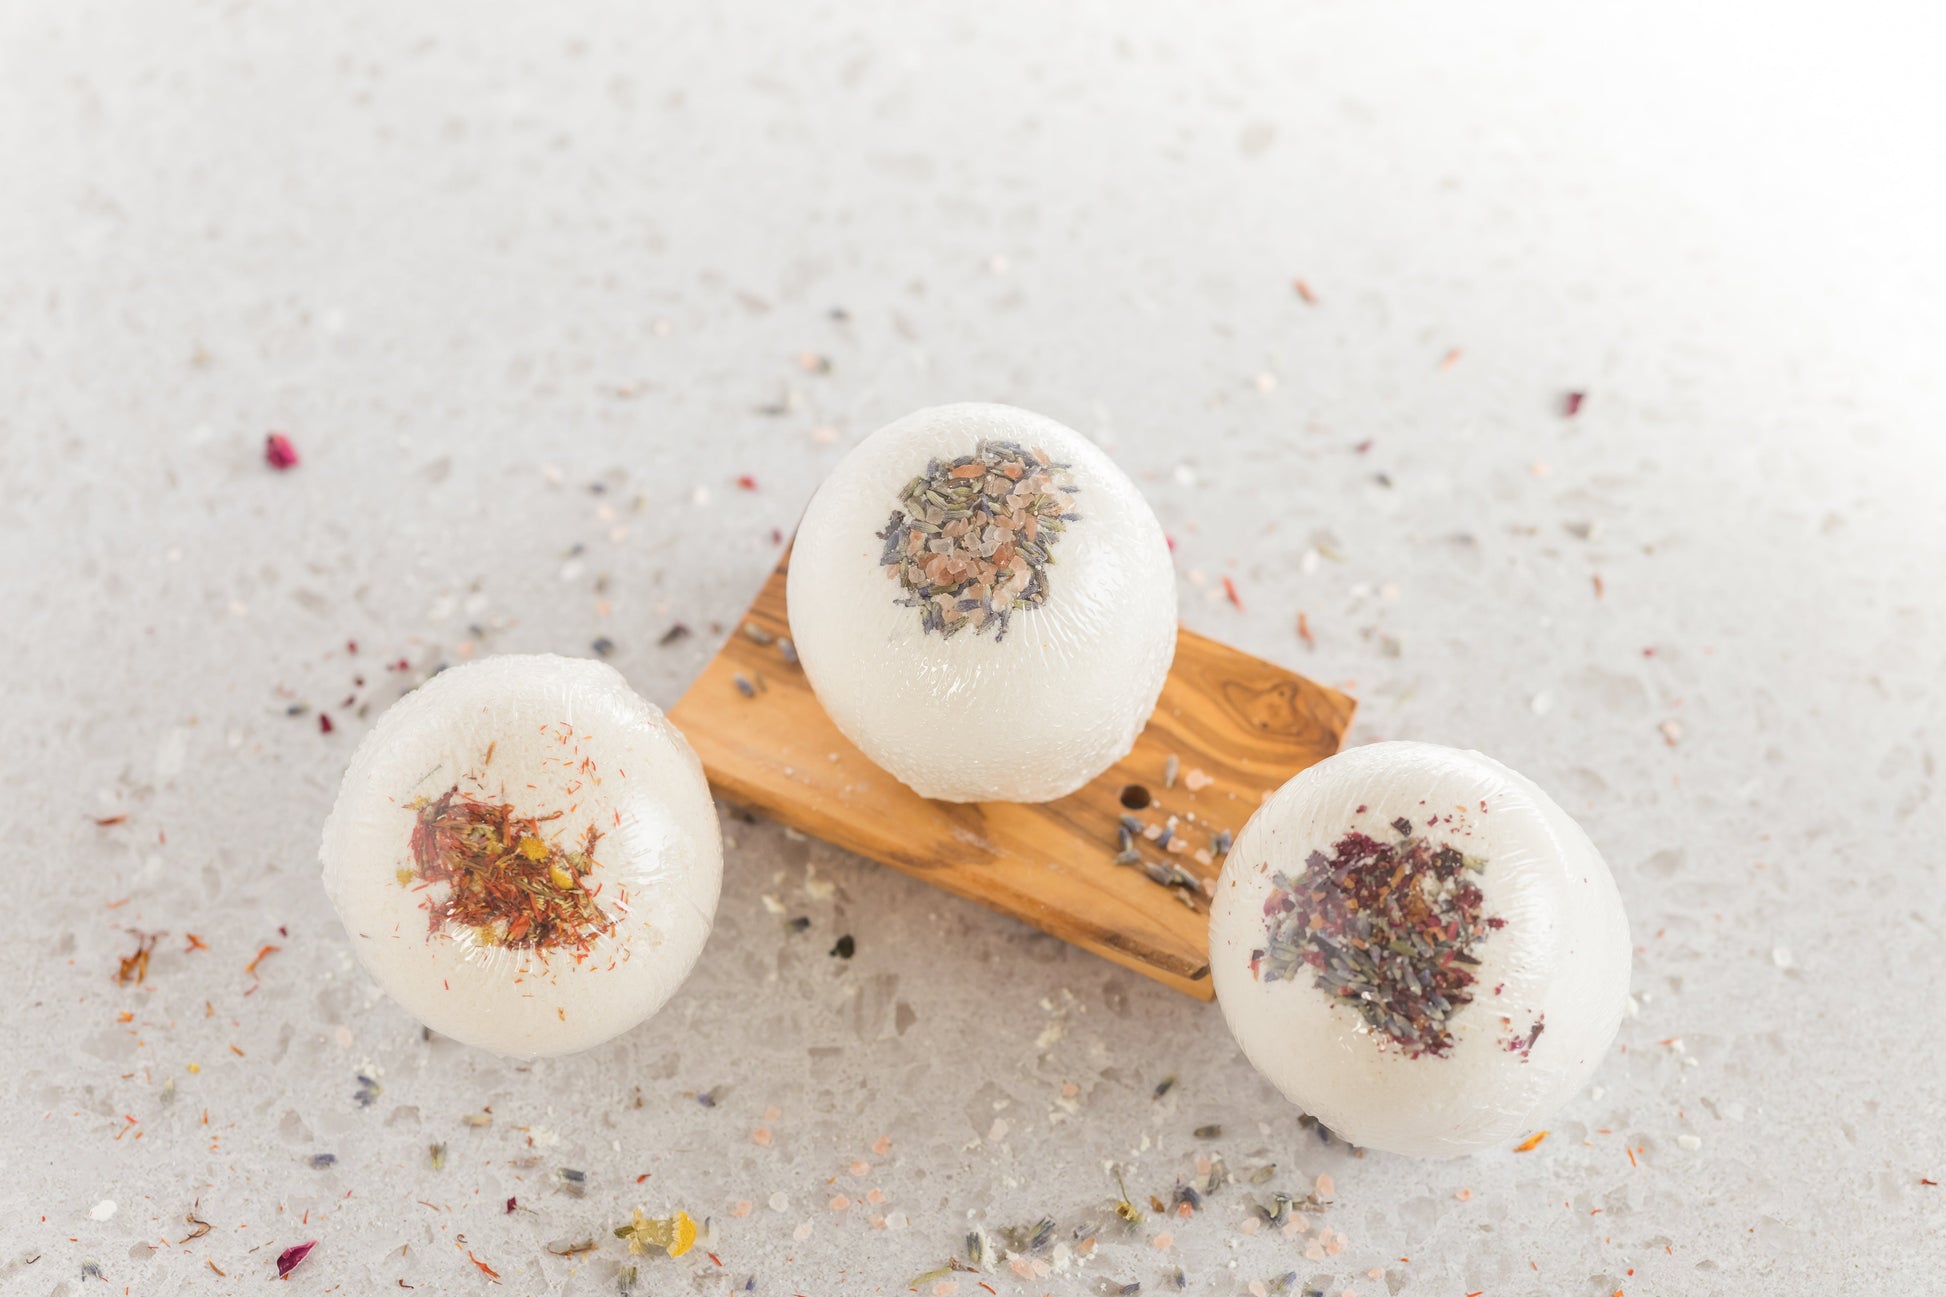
[{"x": 1242, "y": 723}]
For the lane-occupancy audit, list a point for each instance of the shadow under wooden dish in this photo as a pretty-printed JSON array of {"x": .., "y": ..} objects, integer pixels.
[{"x": 1243, "y": 724}]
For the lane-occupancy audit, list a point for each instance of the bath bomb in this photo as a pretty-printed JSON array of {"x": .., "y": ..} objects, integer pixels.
[
  {"x": 984, "y": 604},
  {"x": 1419, "y": 948},
  {"x": 525, "y": 855}
]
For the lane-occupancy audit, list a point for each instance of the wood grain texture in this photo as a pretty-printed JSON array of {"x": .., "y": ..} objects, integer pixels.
[{"x": 1245, "y": 723}]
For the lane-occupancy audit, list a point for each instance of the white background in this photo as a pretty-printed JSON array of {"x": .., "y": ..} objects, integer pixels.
[{"x": 474, "y": 259}]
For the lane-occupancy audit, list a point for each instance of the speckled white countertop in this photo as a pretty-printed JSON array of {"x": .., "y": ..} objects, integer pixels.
[{"x": 530, "y": 287}]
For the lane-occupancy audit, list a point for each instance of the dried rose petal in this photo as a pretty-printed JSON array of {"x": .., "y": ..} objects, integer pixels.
[
  {"x": 1571, "y": 404},
  {"x": 279, "y": 453},
  {"x": 292, "y": 1257}
]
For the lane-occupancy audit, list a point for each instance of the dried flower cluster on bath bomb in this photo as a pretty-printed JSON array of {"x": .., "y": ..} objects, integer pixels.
[
  {"x": 525, "y": 855},
  {"x": 1418, "y": 947},
  {"x": 983, "y": 603}
]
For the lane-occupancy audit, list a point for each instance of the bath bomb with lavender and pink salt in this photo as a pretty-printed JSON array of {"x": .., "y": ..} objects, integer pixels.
[{"x": 984, "y": 604}]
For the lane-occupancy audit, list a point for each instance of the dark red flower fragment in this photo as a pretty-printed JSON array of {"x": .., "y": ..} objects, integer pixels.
[{"x": 292, "y": 1257}]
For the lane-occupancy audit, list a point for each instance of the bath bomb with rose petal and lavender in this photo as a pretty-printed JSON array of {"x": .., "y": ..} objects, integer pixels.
[
  {"x": 1419, "y": 948},
  {"x": 525, "y": 855},
  {"x": 984, "y": 604}
]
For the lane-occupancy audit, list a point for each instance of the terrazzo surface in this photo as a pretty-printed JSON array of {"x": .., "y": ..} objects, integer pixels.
[{"x": 567, "y": 311}]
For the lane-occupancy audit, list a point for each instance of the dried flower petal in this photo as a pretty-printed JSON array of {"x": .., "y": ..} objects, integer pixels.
[
  {"x": 292, "y": 1257},
  {"x": 673, "y": 1234},
  {"x": 279, "y": 453}
]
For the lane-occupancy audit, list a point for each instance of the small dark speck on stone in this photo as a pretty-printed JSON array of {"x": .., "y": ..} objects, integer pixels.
[
  {"x": 799, "y": 924},
  {"x": 603, "y": 646},
  {"x": 321, "y": 1160},
  {"x": 1208, "y": 1132},
  {"x": 1167, "y": 1084},
  {"x": 674, "y": 633},
  {"x": 846, "y": 947}
]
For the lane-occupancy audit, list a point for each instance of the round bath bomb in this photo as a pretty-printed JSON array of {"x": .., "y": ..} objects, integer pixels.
[
  {"x": 984, "y": 604},
  {"x": 525, "y": 855},
  {"x": 1419, "y": 948}
]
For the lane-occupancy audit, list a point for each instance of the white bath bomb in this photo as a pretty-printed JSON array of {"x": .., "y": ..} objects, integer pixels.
[
  {"x": 1419, "y": 948},
  {"x": 984, "y": 604},
  {"x": 525, "y": 855}
]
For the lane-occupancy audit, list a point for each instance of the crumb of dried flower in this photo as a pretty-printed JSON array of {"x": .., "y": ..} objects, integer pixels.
[
  {"x": 292, "y": 1257},
  {"x": 673, "y": 1234},
  {"x": 135, "y": 968}
]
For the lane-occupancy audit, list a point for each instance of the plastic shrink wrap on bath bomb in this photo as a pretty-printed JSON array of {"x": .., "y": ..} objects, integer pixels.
[
  {"x": 1419, "y": 948},
  {"x": 984, "y": 604},
  {"x": 525, "y": 855}
]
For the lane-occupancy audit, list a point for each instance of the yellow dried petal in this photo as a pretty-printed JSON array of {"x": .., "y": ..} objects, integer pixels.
[
  {"x": 685, "y": 1234},
  {"x": 562, "y": 878},
  {"x": 533, "y": 848}
]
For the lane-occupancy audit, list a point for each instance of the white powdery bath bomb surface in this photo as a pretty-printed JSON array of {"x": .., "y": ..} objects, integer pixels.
[
  {"x": 525, "y": 855},
  {"x": 1418, "y": 947},
  {"x": 1003, "y": 638}
]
